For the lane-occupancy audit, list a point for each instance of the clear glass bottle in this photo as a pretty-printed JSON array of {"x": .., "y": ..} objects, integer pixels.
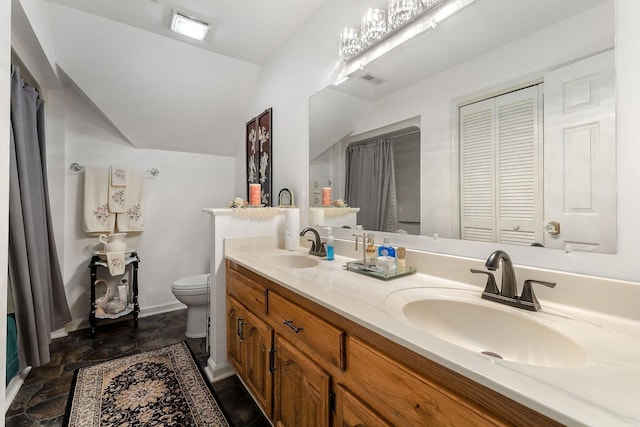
[{"x": 370, "y": 249}]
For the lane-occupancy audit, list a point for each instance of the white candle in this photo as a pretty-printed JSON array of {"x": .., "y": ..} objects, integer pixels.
[
  {"x": 254, "y": 194},
  {"x": 326, "y": 196}
]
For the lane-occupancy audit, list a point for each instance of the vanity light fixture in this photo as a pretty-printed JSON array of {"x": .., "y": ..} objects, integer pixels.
[
  {"x": 405, "y": 22},
  {"x": 189, "y": 26}
]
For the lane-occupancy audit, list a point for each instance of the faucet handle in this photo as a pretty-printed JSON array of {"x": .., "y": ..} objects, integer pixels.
[
  {"x": 322, "y": 250},
  {"x": 491, "y": 286},
  {"x": 529, "y": 297}
]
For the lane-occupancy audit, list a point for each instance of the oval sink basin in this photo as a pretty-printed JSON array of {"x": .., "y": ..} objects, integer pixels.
[
  {"x": 291, "y": 261},
  {"x": 498, "y": 331}
]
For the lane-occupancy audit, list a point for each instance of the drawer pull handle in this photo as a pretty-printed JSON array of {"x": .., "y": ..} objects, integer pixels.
[
  {"x": 290, "y": 324},
  {"x": 239, "y": 324}
]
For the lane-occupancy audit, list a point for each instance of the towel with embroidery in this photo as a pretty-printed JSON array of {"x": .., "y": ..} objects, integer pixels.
[
  {"x": 117, "y": 191},
  {"x": 97, "y": 218},
  {"x": 115, "y": 262},
  {"x": 132, "y": 218}
]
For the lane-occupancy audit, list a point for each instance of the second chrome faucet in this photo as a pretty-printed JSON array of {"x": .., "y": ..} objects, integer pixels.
[{"x": 508, "y": 293}]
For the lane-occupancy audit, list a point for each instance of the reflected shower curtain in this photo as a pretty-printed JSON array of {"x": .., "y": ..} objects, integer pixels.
[
  {"x": 35, "y": 279},
  {"x": 371, "y": 184}
]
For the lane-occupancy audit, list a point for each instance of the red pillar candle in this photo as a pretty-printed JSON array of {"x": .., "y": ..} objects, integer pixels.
[
  {"x": 254, "y": 194},
  {"x": 326, "y": 196}
]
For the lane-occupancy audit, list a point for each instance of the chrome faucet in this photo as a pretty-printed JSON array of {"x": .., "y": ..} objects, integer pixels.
[
  {"x": 508, "y": 294},
  {"x": 317, "y": 246}
]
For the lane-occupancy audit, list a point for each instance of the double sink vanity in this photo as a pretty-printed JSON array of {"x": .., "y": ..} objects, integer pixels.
[{"x": 319, "y": 345}]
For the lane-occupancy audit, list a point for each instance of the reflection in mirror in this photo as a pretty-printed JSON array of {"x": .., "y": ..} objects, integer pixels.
[
  {"x": 515, "y": 108},
  {"x": 381, "y": 177}
]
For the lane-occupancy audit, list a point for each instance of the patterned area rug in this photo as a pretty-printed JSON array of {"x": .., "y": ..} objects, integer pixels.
[{"x": 162, "y": 387}]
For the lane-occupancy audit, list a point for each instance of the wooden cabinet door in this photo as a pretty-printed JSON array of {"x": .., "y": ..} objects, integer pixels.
[
  {"x": 258, "y": 338},
  {"x": 301, "y": 389},
  {"x": 352, "y": 412},
  {"x": 235, "y": 329}
]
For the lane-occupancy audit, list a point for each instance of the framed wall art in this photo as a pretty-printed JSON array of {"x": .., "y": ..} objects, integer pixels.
[{"x": 259, "y": 156}]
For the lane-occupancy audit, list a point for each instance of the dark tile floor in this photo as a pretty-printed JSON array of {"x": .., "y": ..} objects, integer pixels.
[{"x": 42, "y": 398}]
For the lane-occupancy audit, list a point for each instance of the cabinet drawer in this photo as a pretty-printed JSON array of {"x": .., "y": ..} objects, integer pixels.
[
  {"x": 248, "y": 292},
  {"x": 403, "y": 397},
  {"x": 313, "y": 334}
]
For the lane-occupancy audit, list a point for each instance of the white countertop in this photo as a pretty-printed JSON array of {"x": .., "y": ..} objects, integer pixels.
[{"x": 604, "y": 391}]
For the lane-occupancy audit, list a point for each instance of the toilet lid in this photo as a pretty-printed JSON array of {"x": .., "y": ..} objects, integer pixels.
[
  {"x": 192, "y": 283},
  {"x": 189, "y": 286}
]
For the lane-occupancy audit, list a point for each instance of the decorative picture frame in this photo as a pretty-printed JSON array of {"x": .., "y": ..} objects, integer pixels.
[
  {"x": 259, "y": 155},
  {"x": 253, "y": 151},
  {"x": 285, "y": 198}
]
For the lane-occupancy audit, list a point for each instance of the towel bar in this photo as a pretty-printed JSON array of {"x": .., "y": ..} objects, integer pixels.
[{"x": 77, "y": 167}]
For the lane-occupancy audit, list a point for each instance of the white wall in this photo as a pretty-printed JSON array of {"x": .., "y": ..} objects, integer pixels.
[
  {"x": 298, "y": 71},
  {"x": 306, "y": 64},
  {"x": 176, "y": 240},
  {"x": 37, "y": 28}
]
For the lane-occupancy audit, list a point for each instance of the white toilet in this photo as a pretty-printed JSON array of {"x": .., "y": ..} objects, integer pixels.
[{"x": 193, "y": 291}]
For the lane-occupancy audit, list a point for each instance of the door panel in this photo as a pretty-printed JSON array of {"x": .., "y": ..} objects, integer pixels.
[{"x": 580, "y": 155}]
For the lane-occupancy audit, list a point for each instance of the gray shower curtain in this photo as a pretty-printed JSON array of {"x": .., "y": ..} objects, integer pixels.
[
  {"x": 371, "y": 184},
  {"x": 35, "y": 279}
]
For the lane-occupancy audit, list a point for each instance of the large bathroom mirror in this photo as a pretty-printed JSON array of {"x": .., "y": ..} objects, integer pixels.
[{"x": 502, "y": 126}]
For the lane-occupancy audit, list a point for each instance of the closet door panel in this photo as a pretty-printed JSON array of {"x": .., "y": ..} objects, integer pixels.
[{"x": 477, "y": 168}]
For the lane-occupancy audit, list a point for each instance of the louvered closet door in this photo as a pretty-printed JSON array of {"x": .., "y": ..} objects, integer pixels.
[
  {"x": 519, "y": 177},
  {"x": 501, "y": 175},
  {"x": 477, "y": 180}
]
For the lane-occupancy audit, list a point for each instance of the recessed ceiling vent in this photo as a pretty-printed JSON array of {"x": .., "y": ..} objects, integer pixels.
[{"x": 372, "y": 79}]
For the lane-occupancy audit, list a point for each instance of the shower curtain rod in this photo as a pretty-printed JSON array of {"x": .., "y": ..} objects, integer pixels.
[
  {"x": 77, "y": 167},
  {"x": 384, "y": 136}
]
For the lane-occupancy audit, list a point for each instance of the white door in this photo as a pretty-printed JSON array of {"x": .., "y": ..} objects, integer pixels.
[{"x": 580, "y": 155}]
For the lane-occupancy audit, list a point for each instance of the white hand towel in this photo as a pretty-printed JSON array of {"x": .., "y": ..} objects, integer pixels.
[
  {"x": 132, "y": 219},
  {"x": 97, "y": 218},
  {"x": 115, "y": 261},
  {"x": 117, "y": 191},
  {"x": 118, "y": 176}
]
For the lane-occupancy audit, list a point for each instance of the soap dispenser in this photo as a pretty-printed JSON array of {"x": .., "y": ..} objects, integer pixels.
[{"x": 329, "y": 245}]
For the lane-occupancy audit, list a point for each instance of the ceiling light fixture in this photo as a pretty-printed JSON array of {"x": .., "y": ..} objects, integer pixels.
[{"x": 189, "y": 26}]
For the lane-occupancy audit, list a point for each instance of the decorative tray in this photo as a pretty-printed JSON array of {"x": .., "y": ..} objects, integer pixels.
[{"x": 373, "y": 271}]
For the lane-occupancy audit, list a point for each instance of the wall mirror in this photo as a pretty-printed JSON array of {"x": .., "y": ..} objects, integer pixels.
[{"x": 460, "y": 90}]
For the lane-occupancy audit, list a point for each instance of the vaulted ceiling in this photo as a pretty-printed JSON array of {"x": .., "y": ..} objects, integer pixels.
[{"x": 164, "y": 91}]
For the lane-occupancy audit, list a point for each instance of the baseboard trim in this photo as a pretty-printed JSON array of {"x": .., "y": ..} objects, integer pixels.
[
  {"x": 217, "y": 372},
  {"x": 77, "y": 324}
]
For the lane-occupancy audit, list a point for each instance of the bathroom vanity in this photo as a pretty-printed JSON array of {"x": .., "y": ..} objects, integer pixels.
[
  {"x": 318, "y": 345},
  {"x": 302, "y": 361}
]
